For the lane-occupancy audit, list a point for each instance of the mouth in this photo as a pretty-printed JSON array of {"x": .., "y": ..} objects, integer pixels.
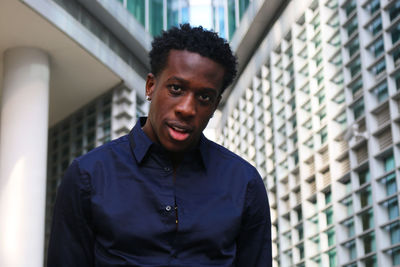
[{"x": 179, "y": 132}]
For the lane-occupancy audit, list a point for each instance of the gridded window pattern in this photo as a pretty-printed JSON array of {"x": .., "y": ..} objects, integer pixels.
[
  {"x": 331, "y": 139},
  {"x": 158, "y": 15},
  {"x": 79, "y": 133}
]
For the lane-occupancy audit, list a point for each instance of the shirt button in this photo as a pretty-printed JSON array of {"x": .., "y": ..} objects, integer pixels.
[{"x": 168, "y": 208}]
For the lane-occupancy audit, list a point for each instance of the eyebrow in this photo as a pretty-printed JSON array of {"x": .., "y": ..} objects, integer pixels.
[{"x": 183, "y": 81}]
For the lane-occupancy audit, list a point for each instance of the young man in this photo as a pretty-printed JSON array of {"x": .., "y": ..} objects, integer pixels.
[{"x": 164, "y": 195}]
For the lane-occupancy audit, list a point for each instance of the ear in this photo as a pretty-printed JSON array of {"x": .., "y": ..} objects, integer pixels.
[{"x": 150, "y": 84}]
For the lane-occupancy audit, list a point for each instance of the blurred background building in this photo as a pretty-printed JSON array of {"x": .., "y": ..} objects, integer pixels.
[{"x": 316, "y": 108}]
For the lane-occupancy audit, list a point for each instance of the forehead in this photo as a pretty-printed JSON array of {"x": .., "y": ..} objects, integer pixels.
[{"x": 194, "y": 67}]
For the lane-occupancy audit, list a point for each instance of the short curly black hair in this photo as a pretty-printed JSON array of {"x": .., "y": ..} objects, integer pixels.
[{"x": 193, "y": 39}]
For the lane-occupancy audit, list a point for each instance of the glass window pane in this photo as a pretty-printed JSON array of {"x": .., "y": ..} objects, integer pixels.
[
  {"x": 155, "y": 17},
  {"x": 172, "y": 13},
  {"x": 231, "y": 18},
  {"x": 137, "y": 8}
]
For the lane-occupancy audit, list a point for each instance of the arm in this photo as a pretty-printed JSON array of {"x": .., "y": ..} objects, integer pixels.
[
  {"x": 254, "y": 242},
  {"x": 71, "y": 240}
]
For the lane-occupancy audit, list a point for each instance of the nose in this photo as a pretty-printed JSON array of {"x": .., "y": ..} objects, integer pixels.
[{"x": 186, "y": 106}]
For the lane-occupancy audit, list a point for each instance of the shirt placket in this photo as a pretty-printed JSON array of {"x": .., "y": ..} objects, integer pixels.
[{"x": 171, "y": 208}]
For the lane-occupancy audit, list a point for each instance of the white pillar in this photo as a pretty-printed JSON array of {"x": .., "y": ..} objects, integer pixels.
[{"x": 23, "y": 155}]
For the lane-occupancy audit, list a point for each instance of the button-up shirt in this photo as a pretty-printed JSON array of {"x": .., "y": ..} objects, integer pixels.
[{"x": 122, "y": 204}]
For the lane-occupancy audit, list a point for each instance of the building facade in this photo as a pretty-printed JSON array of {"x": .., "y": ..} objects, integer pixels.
[
  {"x": 72, "y": 75},
  {"x": 317, "y": 111}
]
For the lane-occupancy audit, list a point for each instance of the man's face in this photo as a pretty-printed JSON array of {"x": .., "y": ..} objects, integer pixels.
[{"x": 183, "y": 98}]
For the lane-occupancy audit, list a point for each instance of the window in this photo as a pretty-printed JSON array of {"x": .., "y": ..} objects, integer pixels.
[
  {"x": 351, "y": 27},
  {"x": 331, "y": 237},
  {"x": 394, "y": 10},
  {"x": 370, "y": 262},
  {"x": 373, "y": 6},
  {"x": 397, "y": 81},
  {"x": 394, "y": 232},
  {"x": 243, "y": 5},
  {"x": 365, "y": 197},
  {"x": 393, "y": 209},
  {"x": 379, "y": 67},
  {"x": 300, "y": 231},
  {"x": 136, "y": 8},
  {"x": 299, "y": 213},
  {"x": 351, "y": 249},
  {"x": 337, "y": 60},
  {"x": 292, "y": 104},
  {"x": 231, "y": 18},
  {"x": 329, "y": 216},
  {"x": 318, "y": 59},
  {"x": 317, "y": 40},
  {"x": 323, "y": 135},
  {"x": 301, "y": 250},
  {"x": 395, "y": 33},
  {"x": 353, "y": 46},
  {"x": 332, "y": 258},
  {"x": 304, "y": 70},
  {"x": 349, "y": 224},
  {"x": 309, "y": 143},
  {"x": 348, "y": 203},
  {"x": 334, "y": 21},
  {"x": 321, "y": 96},
  {"x": 388, "y": 162},
  {"x": 367, "y": 219},
  {"x": 303, "y": 53},
  {"x": 307, "y": 106},
  {"x": 315, "y": 22},
  {"x": 390, "y": 184},
  {"x": 363, "y": 177},
  {"x": 369, "y": 243},
  {"x": 355, "y": 67},
  {"x": 335, "y": 40},
  {"x": 375, "y": 26},
  {"x": 377, "y": 47},
  {"x": 350, "y": 7},
  {"x": 322, "y": 114},
  {"x": 358, "y": 108},
  {"x": 328, "y": 197},
  {"x": 332, "y": 4},
  {"x": 302, "y": 36},
  {"x": 296, "y": 157},
  {"x": 396, "y": 56},
  {"x": 396, "y": 257},
  {"x": 155, "y": 17},
  {"x": 381, "y": 92},
  {"x": 340, "y": 98},
  {"x": 308, "y": 124},
  {"x": 356, "y": 86}
]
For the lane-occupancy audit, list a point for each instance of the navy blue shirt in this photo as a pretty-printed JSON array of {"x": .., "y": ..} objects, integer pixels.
[{"x": 122, "y": 204}]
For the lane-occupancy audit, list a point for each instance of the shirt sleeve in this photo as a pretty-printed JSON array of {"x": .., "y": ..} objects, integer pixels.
[
  {"x": 72, "y": 240},
  {"x": 254, "y": 241}
]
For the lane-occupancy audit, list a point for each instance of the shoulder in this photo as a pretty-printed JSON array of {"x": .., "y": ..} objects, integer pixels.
[
  {"x": 222, "y": 158},
  {"x": 104, "y": 154}
]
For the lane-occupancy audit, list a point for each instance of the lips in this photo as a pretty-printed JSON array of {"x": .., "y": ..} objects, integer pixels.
[{"x": 178, "y": 131}]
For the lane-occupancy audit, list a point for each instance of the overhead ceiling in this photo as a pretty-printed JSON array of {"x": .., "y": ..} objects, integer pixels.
[{"x": 76, "y": 77}]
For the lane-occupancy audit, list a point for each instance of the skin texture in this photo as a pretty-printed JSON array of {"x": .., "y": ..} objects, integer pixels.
[{"x": 183, "y": 98}]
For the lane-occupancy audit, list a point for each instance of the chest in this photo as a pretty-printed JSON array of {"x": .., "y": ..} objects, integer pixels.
[{"x": 156, "y": 209}]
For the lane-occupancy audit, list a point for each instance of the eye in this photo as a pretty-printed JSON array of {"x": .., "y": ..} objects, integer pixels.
[
  {"x": 205, "y": 98},
  {"x": 175, "y": 89}
]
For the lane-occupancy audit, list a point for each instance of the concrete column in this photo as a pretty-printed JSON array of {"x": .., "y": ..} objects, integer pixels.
[{"x": 23, "y": 155}]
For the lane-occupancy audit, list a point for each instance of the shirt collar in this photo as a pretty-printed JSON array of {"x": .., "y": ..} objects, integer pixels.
[
  {"x": 140, "y": 144},
  {"x": 139, "y": 141}
]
